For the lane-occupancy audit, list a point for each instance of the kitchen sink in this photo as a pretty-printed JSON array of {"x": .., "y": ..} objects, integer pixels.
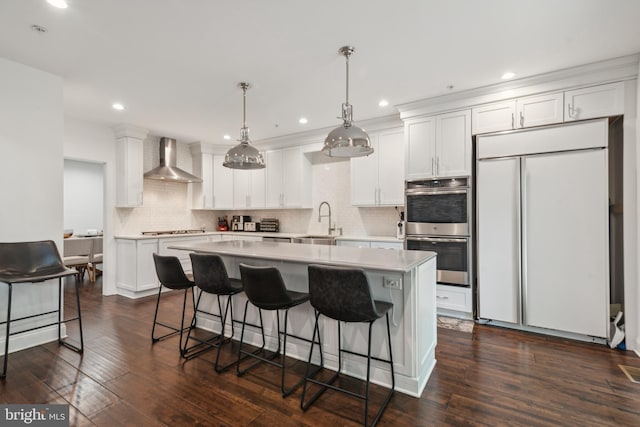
[{"x": 315, "y": 240}]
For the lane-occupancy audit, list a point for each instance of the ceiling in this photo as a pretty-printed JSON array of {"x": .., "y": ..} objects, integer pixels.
[{"x": 175, "y": 64}]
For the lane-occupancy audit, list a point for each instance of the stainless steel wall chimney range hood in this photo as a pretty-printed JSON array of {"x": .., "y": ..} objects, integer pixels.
[{"x": 168, "y": 171}]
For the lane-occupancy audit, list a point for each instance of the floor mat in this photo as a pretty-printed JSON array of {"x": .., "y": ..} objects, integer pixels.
[
  {"x": 631, "y": 372},
  {"x": 455, "y": 324}
]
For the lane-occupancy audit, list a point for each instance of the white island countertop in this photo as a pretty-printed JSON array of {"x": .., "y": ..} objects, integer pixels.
[{"x": 367, "y": 258}]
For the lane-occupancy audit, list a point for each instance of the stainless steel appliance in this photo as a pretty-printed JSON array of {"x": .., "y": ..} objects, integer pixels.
[
  {"x": 440, "y": 206},
  {"x": 169, "y": 232},
  {"x": 438, "y": 219},
  {"x": 454, "y": 256},
  {"x": 237, "y": 222}
]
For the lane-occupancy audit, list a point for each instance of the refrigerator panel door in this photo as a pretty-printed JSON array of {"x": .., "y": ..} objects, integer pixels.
[
  {"x": 566, "y": 245},
  {"x": 498, "y": 210}
]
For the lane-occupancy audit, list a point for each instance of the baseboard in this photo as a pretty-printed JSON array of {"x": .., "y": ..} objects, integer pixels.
[{"x": 32, "y": 338}]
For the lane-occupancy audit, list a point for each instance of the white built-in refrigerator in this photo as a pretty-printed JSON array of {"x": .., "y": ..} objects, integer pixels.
[{"x": 542, "y": 228}]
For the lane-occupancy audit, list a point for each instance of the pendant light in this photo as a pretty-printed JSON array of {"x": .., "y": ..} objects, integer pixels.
[
  {"x": 347, "y": 140},
  {"x": 243, "y": 155}
]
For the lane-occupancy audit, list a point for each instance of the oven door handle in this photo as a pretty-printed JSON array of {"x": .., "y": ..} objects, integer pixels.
[
  {"x": 434, "y": 192},
  {"x": 437, "y": 239}
]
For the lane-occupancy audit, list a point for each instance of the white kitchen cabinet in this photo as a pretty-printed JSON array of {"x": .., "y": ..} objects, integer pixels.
[
  {"x": 216, "y": 189},
  {"x": 129, "y": 173},
  {"x": 454, "y": 298},
  {"x": 288, "y": 179},
  {"x": 378, "y": 179},
  {"x": 249, "y": 189},
  {"x": 222, "y": 184},
  {"x": 136, "y": 272},
  {"x": 595, "y": 101},
  {"x": 439, "y": 146},
  {"x": 519, "y": 113}
]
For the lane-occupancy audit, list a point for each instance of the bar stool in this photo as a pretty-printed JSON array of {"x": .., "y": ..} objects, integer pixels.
[
  {"x": 344, "y": 294},
  {"x": 210, "y": 276},
  {"x": 266, "y": 290},
  {"x": 172, "y": 276},
  {"x": 33, "y": 262}
]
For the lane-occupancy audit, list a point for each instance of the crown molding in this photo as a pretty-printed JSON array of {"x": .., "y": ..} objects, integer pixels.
[{"x": 124, "y": 130}]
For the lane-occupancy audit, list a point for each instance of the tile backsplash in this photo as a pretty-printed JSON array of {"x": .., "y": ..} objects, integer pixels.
[{"x": 167, "y": 205}]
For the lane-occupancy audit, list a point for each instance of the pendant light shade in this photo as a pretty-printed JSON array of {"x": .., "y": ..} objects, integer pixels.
[
  {"x": 347, "y": 140},
  {"x": 243, "y": 155}
]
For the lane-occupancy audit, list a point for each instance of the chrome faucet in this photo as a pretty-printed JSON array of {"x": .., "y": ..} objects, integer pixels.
[{"x": 320, "y": 216}]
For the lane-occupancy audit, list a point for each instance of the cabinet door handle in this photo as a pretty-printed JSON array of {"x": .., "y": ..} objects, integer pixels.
[
  {"x": 438, "y": 165},
  {"x": 441, "y": 297},
  {"x": 570, "y": 110},
  {"x": 521, "y": 119},
  {"x": 433, "y": 166},
  {"x": 513, "y": 121}
]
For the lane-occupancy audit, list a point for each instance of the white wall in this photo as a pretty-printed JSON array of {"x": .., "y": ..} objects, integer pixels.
[
  {"x": 634, "y": 296},
  {"x": 31, "y": 178},
  {"x": 91, "y": 142},
  {"x": 83, "y": 196}
]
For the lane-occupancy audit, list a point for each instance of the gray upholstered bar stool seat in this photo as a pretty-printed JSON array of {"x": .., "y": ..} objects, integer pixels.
[
  {"x": 210, "y": 276},
  {"x": 172, "y": 276},
  {"x": 344, "y": 294},
  {"x": 266, "y": 290}
]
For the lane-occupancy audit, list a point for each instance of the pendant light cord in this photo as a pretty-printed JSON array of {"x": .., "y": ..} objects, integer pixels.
[{"x": 347, "y": 56}]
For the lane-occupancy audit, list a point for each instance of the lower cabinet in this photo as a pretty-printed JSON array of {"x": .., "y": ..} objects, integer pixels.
[
  {"x": 136, "y": 272},
  {"x": 455, "y": 298}
]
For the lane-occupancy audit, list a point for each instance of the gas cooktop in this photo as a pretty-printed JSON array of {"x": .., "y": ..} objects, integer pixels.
[{"x": 163, "y": 233}]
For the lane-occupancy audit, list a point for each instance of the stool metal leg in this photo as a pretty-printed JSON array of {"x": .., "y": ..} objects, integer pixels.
[
  {"x": 329, "y": 383},
  {"x": 6, "y": 340},
  {"x": 175, "y": 330},
  {"x": 254, "y": 353},
  {"x": 79, "y": 318}
]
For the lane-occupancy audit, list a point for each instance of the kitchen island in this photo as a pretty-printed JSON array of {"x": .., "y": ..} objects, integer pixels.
[{"x": 405, "y": 278}]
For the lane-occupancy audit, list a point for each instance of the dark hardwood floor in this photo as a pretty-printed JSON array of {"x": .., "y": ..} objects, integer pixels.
[{"x": 490, "y": 377}]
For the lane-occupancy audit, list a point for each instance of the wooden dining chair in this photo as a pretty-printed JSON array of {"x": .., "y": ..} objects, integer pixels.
[{"x": 77, "y": 254}]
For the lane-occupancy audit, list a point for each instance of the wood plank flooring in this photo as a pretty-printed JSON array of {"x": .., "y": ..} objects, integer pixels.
[{"x": 491, "y": 377}]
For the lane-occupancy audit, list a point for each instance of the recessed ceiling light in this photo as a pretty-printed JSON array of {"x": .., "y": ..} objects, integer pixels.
[
  {"x": 118, "y": 106},
  {"x": 383, "y": 103},
  {"x": 508, "y": 75},
  {"x": 227, "y": 136},
  {"x": 303, "y": 121},
  {"x": 62, "y": 4}
]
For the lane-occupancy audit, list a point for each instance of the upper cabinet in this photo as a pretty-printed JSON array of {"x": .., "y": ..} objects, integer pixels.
[
  {"x": 524, "y": 112},
  {"x": 129, "y": 165},
  {"x": 595, "y": 101},
  {"x": 378, "y": 179},
  {"x": 288, "y": 179},
  {"x": 439, "y": 146},
  {"x": 216, "y": 189},
  {"x": 549, "y": 108},
  {"x": 249, "y": 189}
]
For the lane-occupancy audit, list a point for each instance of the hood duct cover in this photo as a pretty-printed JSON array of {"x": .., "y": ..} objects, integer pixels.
[{"x": 168, "y": 171}]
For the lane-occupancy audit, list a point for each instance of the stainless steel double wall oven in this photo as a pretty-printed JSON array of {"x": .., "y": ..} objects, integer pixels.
[{"x": 438, "y": 218}]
